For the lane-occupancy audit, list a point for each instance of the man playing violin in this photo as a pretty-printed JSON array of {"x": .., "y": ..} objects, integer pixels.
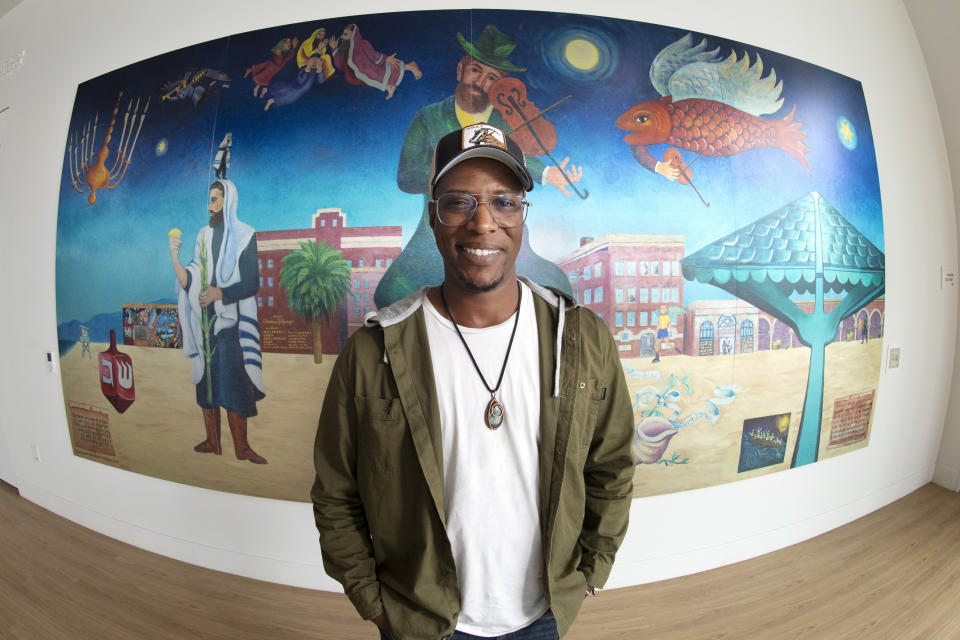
[
  {"x": 473, "y": 455},
  {"x": 483, "y": 64}
]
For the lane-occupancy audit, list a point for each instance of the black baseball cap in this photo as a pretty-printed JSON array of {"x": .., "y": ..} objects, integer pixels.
[{"x": 478, "y": 141}]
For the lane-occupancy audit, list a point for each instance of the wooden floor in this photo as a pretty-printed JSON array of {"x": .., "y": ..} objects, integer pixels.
[{"x": 893, "y": 574}]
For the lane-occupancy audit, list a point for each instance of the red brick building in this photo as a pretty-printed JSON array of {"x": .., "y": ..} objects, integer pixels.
[
  {"x": 625, "y": 278},
  {"x": 367, "y": 250}
]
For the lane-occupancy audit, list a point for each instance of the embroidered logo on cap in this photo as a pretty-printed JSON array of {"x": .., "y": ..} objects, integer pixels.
[{"x": 478, "y": 135}]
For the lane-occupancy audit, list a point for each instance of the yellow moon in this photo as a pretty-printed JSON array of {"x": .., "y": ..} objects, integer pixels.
[{"x": 582, "y": 54}]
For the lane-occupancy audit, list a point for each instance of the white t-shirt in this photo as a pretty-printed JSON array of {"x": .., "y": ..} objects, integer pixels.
[{"x": 491, "y": 479}]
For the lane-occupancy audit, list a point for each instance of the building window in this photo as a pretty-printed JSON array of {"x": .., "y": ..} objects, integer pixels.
[
  {"x": 356, "y": 284},
  {"x": 260, "y": 264},
  {"x": 632, "y": 268},
  {"x": 333, "y": 222},
  {"x": 631, "y": 319},
  {"x": 323, "y": 223},
  {"x": 366, "y": 297},
  {"x": 261, "y": 281},
  {"x": 356, "y": 297},
  {"x": 644, "y": 268},
  {"x": 666, "y": 268},
  {"x": 598, "y": 294},
  {"x": 597, "y": 270},
  {"x": 366, "y": 284},
  {"x": 676, "y": 267},
  {"x": 618, "y": 318},
  {"x": 269, "y": 281},
  {"x": 654, "y": 268},
  {"x": 655, "y": 294},
  {"x": 586, "y": 273},
  {"x": 572, "y": 275},
  {"x": 389, "y": 262},
  {"x": 378, "y": 263},
  {"x": 259, "y": 301},
  {"x": 360, "y": 262},
  {"x": 269, "y": 301},
  {"x": 618, "y": 295},
  {"x": 624, "y": 337},
  {"x": 618, "y": 268},
  {"x": 586, "y": 296},
  {"x": 350, "y": 263},
  {"x": 746, "y": 330},
  {"x": 706, "y": 332},
  {"x": 675, "y": 294},
  {"x": 366, "y": 308},
  {"x": 356, "y": 311},
  {"x": 644, "y": 294},
  {"x": 269, "y": 263},
  {"x": 631, "y": 295},
  {"x": 643, "y": 319}
]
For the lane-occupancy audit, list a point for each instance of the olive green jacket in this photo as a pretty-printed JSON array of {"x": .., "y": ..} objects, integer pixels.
[{"x": 378, "y": 494}]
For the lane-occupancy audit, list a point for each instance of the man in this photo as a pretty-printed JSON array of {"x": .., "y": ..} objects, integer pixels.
[
  {"x": 482, "y": 65},
  {"x": 218, "y": 313},
  {"x": 362, "y": 64},
  {"x": 474, "y": 474},
  {"x": 663, "y": 331}
]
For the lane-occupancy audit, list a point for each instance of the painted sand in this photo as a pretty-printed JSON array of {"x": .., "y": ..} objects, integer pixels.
[{"x": 156, "y": 435}]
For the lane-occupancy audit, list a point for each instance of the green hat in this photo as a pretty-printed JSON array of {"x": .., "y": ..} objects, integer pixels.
[{"x": 493, "y": 47}]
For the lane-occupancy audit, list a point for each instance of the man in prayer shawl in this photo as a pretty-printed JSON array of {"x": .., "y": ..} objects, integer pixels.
[{"x": 218, "y": 289}]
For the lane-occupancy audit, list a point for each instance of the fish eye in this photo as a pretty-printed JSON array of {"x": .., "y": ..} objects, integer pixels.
[{"x": 642, "y": 118}]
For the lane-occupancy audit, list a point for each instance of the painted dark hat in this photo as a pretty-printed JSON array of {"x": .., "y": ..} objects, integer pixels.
[
  {"x": 478, "y": 141},
  {"x": 493, "y": 47}
]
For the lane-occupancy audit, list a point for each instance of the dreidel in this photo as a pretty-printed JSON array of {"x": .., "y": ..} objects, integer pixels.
[{"x": 116, "y": 376}]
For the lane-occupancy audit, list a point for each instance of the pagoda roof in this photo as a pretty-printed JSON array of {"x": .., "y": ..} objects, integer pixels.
[{"x": 791, "y": 245}]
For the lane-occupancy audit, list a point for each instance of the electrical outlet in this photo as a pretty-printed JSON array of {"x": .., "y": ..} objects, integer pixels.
[
  {"x": 893, "y": 359},
  {"x": 948, "y": 277}
]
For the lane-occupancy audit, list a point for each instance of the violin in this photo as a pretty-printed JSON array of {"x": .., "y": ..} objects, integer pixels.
[
  {"x": 534, "y": 134},
  {"x": 673, "y": 158}
]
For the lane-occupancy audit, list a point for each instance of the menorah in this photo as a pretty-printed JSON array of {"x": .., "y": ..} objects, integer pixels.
[{"x": 86, "y": 174}]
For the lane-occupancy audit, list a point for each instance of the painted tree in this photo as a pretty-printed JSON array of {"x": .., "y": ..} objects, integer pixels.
[{"x": 316, "y": 279}]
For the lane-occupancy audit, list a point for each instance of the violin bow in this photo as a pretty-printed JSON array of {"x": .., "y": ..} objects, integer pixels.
[{"x": 527, "y": 121}]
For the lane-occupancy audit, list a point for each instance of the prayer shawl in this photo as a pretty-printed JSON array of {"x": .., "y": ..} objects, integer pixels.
[{"x": 236, "y": 237}]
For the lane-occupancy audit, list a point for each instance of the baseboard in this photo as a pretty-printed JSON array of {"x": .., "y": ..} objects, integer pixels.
[
  {"x": 711, "y": 557},
  {"x": 947, "y": 477}
]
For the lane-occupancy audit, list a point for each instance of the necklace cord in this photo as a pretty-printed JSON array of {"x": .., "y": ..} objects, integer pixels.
[{"x": 503, "y": 369}]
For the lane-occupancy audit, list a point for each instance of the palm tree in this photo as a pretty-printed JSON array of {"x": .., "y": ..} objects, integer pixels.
[{"x": 317, "y": 279}]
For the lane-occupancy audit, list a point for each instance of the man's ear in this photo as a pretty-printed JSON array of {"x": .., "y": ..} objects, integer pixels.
[{"x": 459, "y": 71}]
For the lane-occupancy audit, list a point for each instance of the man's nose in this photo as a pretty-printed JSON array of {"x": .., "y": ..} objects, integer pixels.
[{"x": 482, "y": 220}]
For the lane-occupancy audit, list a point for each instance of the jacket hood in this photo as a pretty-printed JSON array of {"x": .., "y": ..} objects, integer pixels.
[{"x": 403, "y": 309}]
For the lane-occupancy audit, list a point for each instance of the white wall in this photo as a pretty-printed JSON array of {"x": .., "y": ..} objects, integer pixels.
[
  {"x": 935, "y": 22},
  {"x": 871, "y": 40}
]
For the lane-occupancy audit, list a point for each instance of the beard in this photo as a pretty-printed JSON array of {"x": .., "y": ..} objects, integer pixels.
[
  {"x": 216, "y": 218},
  {"x": 471, "y": 98}
]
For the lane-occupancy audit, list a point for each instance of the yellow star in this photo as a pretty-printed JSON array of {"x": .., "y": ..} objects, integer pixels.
[{"x": 846, "y": 132}]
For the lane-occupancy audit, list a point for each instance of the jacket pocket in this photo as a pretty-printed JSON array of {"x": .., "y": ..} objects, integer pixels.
[
  {"x": 592, "y": 395},
  {"x": 382, "y": 428}
]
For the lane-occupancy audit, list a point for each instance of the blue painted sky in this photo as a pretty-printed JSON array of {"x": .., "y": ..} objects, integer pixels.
[{"x": 338, "y": 147}]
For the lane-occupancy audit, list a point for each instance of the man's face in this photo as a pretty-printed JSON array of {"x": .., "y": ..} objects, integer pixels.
[
  {"x": 475, "y": 79},
  {"x": 215, "y": 207},
  {"x": 479, "y": 255}
]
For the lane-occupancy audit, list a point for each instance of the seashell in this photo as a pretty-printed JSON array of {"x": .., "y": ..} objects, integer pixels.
[{"x": 651, "y": 438}]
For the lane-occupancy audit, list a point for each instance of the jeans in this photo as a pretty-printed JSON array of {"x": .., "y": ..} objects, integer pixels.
[{"x": 543, "y": 629}]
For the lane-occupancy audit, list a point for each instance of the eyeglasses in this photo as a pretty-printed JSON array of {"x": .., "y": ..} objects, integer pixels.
[{"x": 456, "y": 209}]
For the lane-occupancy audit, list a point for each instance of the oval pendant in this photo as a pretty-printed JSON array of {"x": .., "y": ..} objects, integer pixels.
[{"x": 494, "y": 414}]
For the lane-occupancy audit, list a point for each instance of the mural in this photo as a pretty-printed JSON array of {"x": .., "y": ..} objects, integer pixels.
[{"x": 233, "y": 209}]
